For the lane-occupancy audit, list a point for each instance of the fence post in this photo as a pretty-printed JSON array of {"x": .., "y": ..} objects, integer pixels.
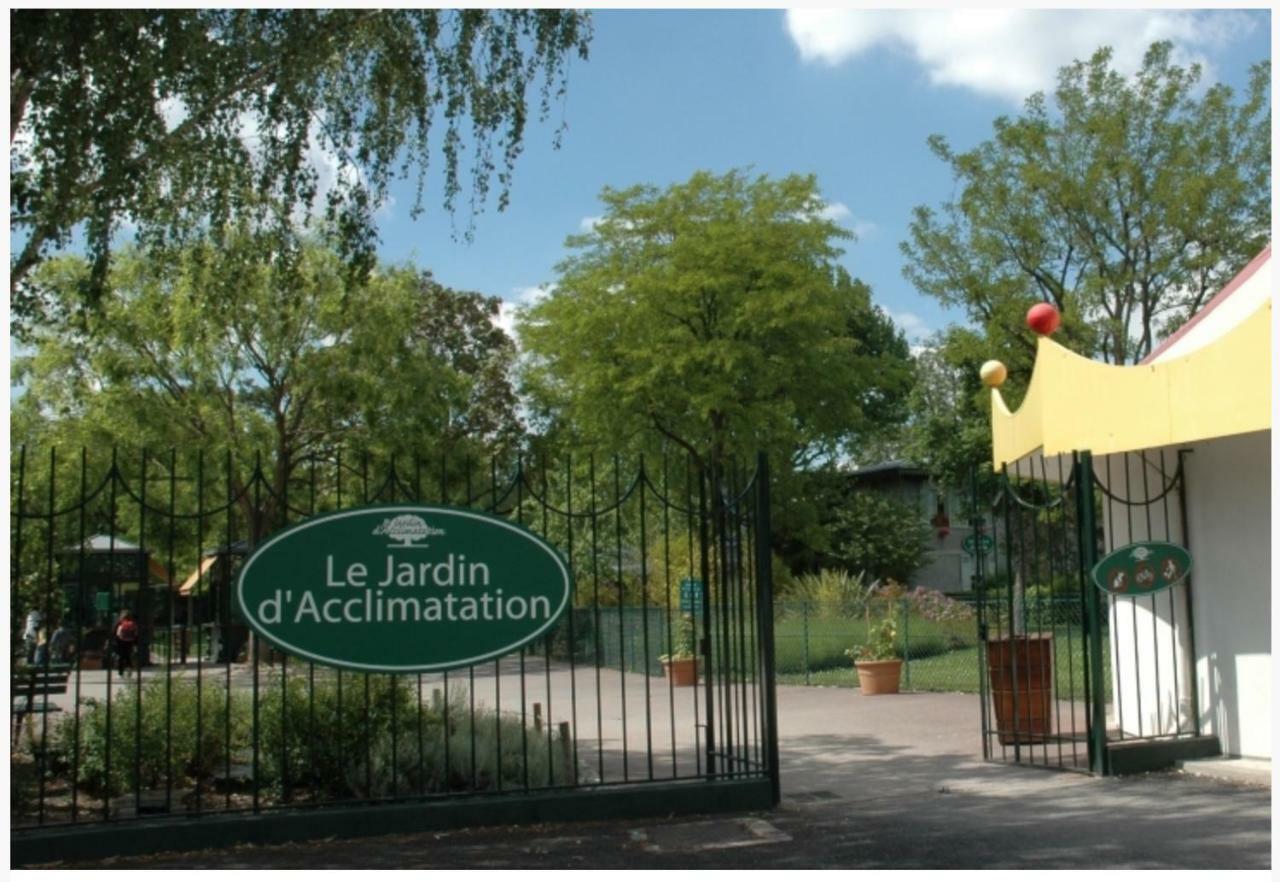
[
  {"x": 1099, "y": 762},
  {"x": 631, "y": 645},
  {"x": 906, "y": 640},
  {"x": 764, "y": 603},
  {"x": 805, "y": 608}
]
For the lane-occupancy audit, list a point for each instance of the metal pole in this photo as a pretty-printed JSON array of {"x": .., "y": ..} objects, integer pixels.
[
  {"x": 764, "y": 587},
  {"x": 1088, "y": 552},
  {"x": 906, "y": 640},
  {"x": 1191, "y": 615},
  {"x": 704, "y": 641},
  {"x": 805, "y": 609}
]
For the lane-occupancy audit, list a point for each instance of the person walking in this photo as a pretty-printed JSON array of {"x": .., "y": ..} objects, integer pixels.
[
  {"x": 30, "y": 635},
  {"x": 126, "y": 640},
  {"x": 61, "y": 644},
  {"x": 42, "y": 648}
]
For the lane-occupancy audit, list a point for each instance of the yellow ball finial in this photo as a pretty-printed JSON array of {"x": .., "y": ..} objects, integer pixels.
[{"x": 993, "y": 373}]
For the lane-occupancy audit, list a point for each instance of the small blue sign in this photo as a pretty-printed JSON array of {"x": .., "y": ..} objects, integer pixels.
[{"x": 690, "y": 595}]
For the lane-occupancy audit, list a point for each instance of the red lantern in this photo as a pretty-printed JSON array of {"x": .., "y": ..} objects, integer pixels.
[{"x": 1043, "y": 319}]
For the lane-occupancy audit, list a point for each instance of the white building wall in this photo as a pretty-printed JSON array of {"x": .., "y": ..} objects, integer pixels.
[
  {"x": 1228, "y": 486},
  {"x": 1229, "y": 515},
  {"x": 1149, "y": 641}
]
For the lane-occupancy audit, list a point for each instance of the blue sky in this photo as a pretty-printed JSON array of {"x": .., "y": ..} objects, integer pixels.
[{"x": 848, "y": 96}]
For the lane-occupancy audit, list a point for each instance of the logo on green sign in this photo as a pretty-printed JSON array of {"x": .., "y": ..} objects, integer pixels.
[
  {"x": 1142, "y": 568},
  {"x": 403, "y": 588},
  {"x": 982, "y": 541}
]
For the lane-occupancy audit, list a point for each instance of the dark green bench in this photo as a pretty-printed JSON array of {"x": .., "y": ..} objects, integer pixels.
[{"x": 32, "y": 687}]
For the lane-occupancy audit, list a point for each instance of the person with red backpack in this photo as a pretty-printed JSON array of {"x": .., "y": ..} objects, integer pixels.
[{"x": 126, "y": 640}]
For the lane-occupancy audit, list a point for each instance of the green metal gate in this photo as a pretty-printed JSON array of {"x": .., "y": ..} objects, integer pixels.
[
  {"x": 1072, "y": 677},
  {"x": 210, "y": 724}
]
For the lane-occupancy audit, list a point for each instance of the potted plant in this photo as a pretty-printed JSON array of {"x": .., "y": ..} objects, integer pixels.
[
  {"x": 681, "y": 664},
  {"x": 879, "y": 666}
]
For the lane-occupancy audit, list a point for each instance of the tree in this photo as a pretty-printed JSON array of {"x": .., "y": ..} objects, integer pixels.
[
  {"x": 217, "y": 350},
  {"x": 949, "y": 430},
  {"x": 1126, "y": 206},
  {"x": 712, "y": 317},
  {"x": 879, "y": 536},
  {"x": 146, "y": 117}
]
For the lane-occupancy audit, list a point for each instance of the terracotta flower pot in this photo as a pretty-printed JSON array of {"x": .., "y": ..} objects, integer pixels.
[
  {"x": 879, "y": 677},
  {"x": 682, "y": 671},
  {"x": 1021, "y": 672}
]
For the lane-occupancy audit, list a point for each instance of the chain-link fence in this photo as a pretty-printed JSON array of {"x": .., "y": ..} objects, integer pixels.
[
  {"x": 936, "y": 637},
  {"x": 937, "y": 643}
]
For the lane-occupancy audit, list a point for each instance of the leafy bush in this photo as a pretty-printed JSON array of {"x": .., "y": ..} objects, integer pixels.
[
  {"x": 24, "y": 781},
  {"x": 881, "y": 645},
  {"x": 879, "y": 536},
  {"x": 336, "y": 750},
  {"x": 682, "y": 641},
  {"x": 937, "y": 607},
  {"x": 831, "y": 592},
  {"x": 320, "y": 738},
  {"x": 141, "y": 757}
]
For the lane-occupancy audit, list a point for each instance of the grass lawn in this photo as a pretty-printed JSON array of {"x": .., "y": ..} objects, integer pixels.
[
  {"x": 817, "y": 642},
  {"x": 957, "y": 671}
]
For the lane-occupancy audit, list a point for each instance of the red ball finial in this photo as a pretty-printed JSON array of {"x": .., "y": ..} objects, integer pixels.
[{"x": 1043, "y": 319}]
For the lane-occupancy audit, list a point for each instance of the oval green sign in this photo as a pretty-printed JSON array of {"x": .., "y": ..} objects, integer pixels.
[
  {"x": 1142, "y": 568},
  {"x": 403, "y": 588}
]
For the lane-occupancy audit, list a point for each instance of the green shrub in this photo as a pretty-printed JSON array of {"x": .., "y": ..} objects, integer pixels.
[
  {"x": 395, "y": 746},
  {"x": 336, "y": 750},
  {"x": 24, "y": 781},
  {"x": 879, "y": 536},
  {"x": 832, "y": 593},
  {"x": 142, "y": 757},
  {"x": 326, "y": 742},
  {"x": 511, "y": 759},
  {"x": 882, "y": 643}
]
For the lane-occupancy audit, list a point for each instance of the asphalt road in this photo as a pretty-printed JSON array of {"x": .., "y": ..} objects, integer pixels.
[{"x": 868, "y": 782}]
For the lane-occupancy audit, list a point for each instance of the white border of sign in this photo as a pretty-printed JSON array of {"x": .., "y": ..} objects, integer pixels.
[{"x": 405, "y": 509}]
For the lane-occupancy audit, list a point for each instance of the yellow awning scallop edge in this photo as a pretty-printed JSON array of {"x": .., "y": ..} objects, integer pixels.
[{"x": 1073, "y": 403}]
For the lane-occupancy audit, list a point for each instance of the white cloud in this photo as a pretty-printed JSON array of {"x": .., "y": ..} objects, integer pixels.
[
  {"x": 835, "y": 211},
  {"x": 1009, "y": 53},
  {"x": 841, "y": 214},
  {"x": 910, "y": 324},
  {"x": 587, "y": 224},
  {"x": 531, "y": 295},
  {"x": 510, "y": 307}
]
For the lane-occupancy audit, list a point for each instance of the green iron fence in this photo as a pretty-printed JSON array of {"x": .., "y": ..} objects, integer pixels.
[
  {"x": 206, "y": 720},
  {"x": 940, "y": 654},
  {"x": 937, "y": 652},
  {"x": 1070, "y": 671}
]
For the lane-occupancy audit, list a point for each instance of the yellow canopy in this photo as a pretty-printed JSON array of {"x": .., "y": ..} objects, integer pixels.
[
  {"x": 1073, "y": 403},
  {"x": 193, "y": 580}
]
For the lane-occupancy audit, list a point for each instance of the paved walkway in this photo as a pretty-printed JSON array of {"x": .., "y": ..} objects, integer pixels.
[{"x": 868, "y": 782}]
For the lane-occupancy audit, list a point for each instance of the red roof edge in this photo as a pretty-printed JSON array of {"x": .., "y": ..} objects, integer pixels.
[{"x": 1241, "y": 277}]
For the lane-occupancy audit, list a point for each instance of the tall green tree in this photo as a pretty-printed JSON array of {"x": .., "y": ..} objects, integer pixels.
[
  {"x": 1126, "y": 202},
  {"x": 216, "y": 350},
  {"x": 178, "y": 121},
  {"x": 949, "y": 430},
  {"x": 712, "y": 317}
]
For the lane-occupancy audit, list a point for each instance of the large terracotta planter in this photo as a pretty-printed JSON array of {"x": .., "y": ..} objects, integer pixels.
[
  {"x": 681, "y": 671},
  {"x": 1021, "y": 671},
  {"x": 879, "y": 677}
]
